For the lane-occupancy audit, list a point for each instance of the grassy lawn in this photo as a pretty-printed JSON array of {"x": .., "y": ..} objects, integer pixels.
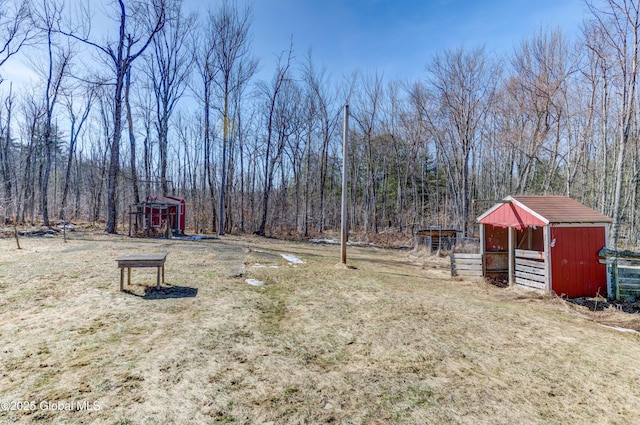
[{"x": 393, "y": 340}]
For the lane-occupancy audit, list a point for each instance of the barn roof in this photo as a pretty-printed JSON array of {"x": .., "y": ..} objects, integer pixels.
[
  {"x": 523, "y": 211},
  {"x": 163, "y": 200}
]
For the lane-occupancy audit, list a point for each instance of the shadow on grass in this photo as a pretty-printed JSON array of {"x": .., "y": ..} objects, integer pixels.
[{"x": 165, "y": 292}]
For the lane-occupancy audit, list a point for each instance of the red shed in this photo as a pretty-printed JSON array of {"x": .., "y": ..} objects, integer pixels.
[
  {"x": 161, "y": 208},
  {"x": 545, "y": 242},
  {"x": 158, "y": 212}
]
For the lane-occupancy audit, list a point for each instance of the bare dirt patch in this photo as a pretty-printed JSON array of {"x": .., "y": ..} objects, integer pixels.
[{"x": 392, "y": 340}]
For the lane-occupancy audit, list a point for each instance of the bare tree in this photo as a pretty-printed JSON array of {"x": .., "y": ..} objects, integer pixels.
[
  {"x": 77, "y": 120},
  {"x": 233, "y": 66},
  {"x": 99, "y": 154},
  {"x": 599, "y": 74},
  {"x": 46, "y": 17},
  {"x": 33, "y": 112},
  {"x": 619, "y": 22},
  {"x": 6, "y": 142},
  {"x": 464, "y": 83},
  {"x": 133, "y": 39},
  {"x": 146, "y": 116},
  {"x": 320, "y": 125},
  {"x": 203, "y": 57},
  {"x": 535, "y": 103},
  {"x": 421, "y": 149},
  {"x": 366, "y": 113},
  {"x": 15, "y": 28},
  {"x": 400, "y": 133},
  {"x": 414, "y": 122},
  {"x": 275, "y": 111},
  {"x": 132, "y": 138},
  {"x": 168, "y": 70}
]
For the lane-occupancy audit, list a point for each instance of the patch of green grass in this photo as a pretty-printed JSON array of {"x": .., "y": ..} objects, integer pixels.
[
  {"x": 44, "y": 378},
  {"x": 272, "y": 310},
  {"x": 114, "y": 337}
]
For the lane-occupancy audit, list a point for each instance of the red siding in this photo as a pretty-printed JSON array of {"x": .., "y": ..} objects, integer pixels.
[
  {"x": 511, "y": 215},
  {"x": 158, "y": 216},
  {"x": 182, "y": 213},
  {"x": 531, "y": 239},
  {"x": 496, "y": 239},
  {"x": 574, "y": 261}
]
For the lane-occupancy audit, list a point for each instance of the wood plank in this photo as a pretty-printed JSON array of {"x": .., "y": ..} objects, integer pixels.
[
  {"x": 459, "y": 256},
  {"x": 530, "y": 263},
  {"x": 511, "y": 232},
  {"x": 469, "y": 272},
  {"x": 493, "y": 262},
  {"x": 469, "y": 275},
  {"x": 530, "y": 283},
  {"x": 625, "y": 262},
  {"x": 435, "y": 233},
  {"x": 624, "y": 272},
  {"x": 152, "y": 256},
  {"x": 629, "y": 286},
  {"x": 534, "y": 255},
  {"x": 534, "y": 270},
  {"x": 140, "y": 263},
  {"x": 628, "y": 282},
  {"x": 468, "y": 261},
  {"x": 629, "y": 292},
  {"x": 529, "y": 276},
  {"x": 467, "y": 267},
  {"x": 611, "y": 253},
  {"x": 142, "y": 260}
]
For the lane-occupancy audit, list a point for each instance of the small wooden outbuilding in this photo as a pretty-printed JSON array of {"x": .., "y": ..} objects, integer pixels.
[
  {"x": 167, "y": 213},
  {"x": 550, "y": 243},
  {"x": 437, "y": 238}
]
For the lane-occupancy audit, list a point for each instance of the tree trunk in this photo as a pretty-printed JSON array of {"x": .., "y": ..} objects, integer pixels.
[
  {"x": 114, "y": 157},
  {"x": 132, "y": 140}
]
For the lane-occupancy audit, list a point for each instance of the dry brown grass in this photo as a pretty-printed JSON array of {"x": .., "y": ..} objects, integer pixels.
[{"x": 394, "y": 340}]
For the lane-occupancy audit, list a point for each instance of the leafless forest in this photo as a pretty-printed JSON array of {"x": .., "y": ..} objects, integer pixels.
[{"x": 168, "y": 102}]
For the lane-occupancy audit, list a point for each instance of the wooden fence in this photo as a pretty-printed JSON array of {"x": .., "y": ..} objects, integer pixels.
[
  {"x": 623, "y": 268},
  {"x": 530, "y": 269},
  {"x": 446, "y": 243},
  {"x": 466, "y": 265}
]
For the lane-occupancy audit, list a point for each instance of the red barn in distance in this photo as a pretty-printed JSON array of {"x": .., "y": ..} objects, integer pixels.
[
  {"x": 545, "y": 242},
  {"x": 156, "y": 215}
]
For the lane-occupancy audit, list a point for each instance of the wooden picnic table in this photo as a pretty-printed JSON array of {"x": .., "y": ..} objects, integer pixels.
[{"x": 141, "y": 260}]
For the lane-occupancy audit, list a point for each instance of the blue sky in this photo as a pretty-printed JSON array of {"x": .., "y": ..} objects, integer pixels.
[{"x": 399, "y": 37}]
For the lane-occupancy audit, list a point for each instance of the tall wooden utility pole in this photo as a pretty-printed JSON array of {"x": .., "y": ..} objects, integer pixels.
[{"x": 345, "y": 140}]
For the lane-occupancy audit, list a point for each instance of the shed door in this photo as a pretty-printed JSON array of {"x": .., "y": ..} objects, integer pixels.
[{"x": 575, "y": 271}]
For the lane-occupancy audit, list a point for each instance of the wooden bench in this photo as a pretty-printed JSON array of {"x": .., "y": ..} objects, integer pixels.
[{"x": 141, "y": 260}]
